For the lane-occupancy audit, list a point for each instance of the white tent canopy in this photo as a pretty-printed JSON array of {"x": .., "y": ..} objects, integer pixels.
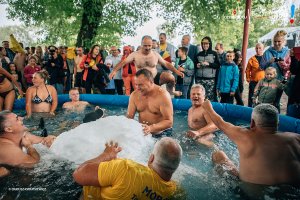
[{"x": 290, "y": 32}]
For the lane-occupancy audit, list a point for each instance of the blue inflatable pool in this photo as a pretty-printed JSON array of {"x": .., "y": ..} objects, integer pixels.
[{"x": 287, "y": 124}]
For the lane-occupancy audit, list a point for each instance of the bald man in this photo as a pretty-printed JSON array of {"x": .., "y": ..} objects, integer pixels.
[
  {"x": 148, "y": 59},
  {"x": 253, "y": 73}
]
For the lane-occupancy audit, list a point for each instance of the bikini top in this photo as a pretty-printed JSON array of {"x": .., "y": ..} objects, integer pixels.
[{"x": 38, "y": 100}]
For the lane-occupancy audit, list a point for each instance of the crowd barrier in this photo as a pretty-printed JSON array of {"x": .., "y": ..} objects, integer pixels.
[{"x": 288, "y": 124}]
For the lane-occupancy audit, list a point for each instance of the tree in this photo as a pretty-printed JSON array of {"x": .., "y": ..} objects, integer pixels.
[
  {"x": 86, "y": 21},
  {"x": 165, "y": 28},
  {"x": 21, "y": 33}
]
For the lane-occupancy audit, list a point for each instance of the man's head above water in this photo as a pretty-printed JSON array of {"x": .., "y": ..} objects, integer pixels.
[
  {"x": 144, "y": 81},
  {"x": 265, "y": 116},
  {"x": 74, "y": 94},
  {"x": 11, "y": 123},
  {"x": 166, "y": 155},
  {"x": 197, "y": 95}
]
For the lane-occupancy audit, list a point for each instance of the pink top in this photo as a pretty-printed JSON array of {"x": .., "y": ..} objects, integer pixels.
[
  {"x": 285, "y": 66},
  {"x": 29, "y": 70}
]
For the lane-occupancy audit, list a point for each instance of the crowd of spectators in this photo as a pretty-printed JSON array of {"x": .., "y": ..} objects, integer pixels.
[{"x": 218, "y": 71}]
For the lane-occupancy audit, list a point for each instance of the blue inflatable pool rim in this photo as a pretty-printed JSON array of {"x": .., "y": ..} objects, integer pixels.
[{"x": 287, "y": 124}]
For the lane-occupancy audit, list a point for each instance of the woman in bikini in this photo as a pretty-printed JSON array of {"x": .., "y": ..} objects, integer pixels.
[
  {"x": 7, "y": 92},
  {"x": 41, "y": 97}
]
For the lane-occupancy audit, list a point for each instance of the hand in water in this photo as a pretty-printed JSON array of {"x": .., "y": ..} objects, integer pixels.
[
  {"x": 192, "y": 134},
  {"x": 48, "y": 141},
  {"x": 52, "y": 113},
  {"x": 112, "y": 150},
  {"x": 146, "y": 129}
]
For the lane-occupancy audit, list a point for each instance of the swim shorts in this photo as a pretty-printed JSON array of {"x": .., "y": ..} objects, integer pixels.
[
  {"x": 157, "y": 77},
  {"x": 165, "y": 133}
]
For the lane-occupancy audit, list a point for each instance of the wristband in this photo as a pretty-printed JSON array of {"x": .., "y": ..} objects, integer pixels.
[{"x": 29, "y": 147}]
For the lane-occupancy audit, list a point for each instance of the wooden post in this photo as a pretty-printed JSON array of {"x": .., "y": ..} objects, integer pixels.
[{"x": 246, "y": 35}]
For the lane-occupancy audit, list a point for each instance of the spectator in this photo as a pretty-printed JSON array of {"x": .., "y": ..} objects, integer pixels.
[
  {"x": 110, "y": 88},
  {"x": 106, "y": 176},
  {"x": 77, "y": 70},
  {"x": 267, "y": 88},
  {"x": 46, "y": 56},
  {"x": 89, "y": 64},
  {"x": 238, "y": 61},
  {"x": 65, "y": 69},
  {"x": 132, "y": 49},
  {"x": 164, "y": 46},
  {"x": 10, "y": 54},
  {"x": 27, "y": 51},
  {"x": 30, "y": 69},
  {"x": 38, "y": 61},
  {"x": 13, "y": 69},
  {"x": 71, "y": 64},
  {"x": 207, "y": 65},
  {"x": 119, "y": 51},
  {"x": 199, "y": 47},
  {"x": 16, "y": 77},
  {"x": 129, "y": 72},
  {"x": 185, "y": 65},
  {"x": 116, "y": 58},
  {"x": 40, "y": 54},
  {"x": 154, "y": 45},
  {"x": 102, "y": 54},
  {"x": 278, "y": 51},
  {"x": 41, "y": 97},
  {"x": 3, "y": 59},
  {"x": 236, "y": 51},
  {"x": 228, "y": 79},
  {"x": 55, "y": 64},
  {"x": 293, "y": 106},
  {"x": 7, "y": 92},
  {"x": 192, "y": 54},
  {"x": 253, "y": 73},
  {"x": 222, "y": 55}
]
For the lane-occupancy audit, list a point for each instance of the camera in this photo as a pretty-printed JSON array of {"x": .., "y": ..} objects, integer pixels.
[{"x": 278, "y": 59}]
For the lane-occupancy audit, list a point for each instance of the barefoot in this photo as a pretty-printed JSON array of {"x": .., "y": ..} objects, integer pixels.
[
  {"x": 177, "y": 93},
  {"x": 3, "y": 172}
]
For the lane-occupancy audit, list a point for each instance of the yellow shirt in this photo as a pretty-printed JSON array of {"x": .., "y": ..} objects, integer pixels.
[
  {"x": 126, "y": 179},
  {"x": 163, "y": 47},
  {"x": 71, "y": 53}
]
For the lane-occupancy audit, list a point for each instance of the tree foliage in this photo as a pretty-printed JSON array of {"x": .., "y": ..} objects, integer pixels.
[
  {"x": 84, "y": 22},
  {"x": 21, "y": 33}
]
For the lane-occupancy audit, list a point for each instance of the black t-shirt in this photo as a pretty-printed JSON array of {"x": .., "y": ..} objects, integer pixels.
[
  {"x": 258, "y": 58},
  {"x": 180, "y": 64},
  {"x": 129, "y": 69}
]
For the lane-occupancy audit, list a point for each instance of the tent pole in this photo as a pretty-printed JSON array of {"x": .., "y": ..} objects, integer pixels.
[{"x": 246, "y": 35}]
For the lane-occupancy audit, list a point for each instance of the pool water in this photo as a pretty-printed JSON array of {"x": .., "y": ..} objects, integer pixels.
[{"x": 196, "y": 177}]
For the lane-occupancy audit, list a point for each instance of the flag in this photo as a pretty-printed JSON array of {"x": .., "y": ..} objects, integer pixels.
[
  {"x": 15, "y": 46},
  {"x": 166, "y": 56}
]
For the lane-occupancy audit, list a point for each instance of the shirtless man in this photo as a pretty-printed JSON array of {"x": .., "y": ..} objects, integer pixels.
[
  {"x": 78, "y": 70},
  {"x": 14, "y": 137},
  {"x": 266, "y": 156},
  {"x": 198, "y": 118},
  {"x": 153, "y": 104},
  {"x": 74, "y": 96},
  {"x": 148, "y": 59}
]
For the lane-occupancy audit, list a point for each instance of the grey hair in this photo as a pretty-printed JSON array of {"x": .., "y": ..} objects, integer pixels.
[
  {"x": 198, "y": 86},
  {"x": 167, "y": 155},
  {"x": 3, "y": 115},
  {"x": 221, "y": 45},
  {"x": 265, "y": 116}
]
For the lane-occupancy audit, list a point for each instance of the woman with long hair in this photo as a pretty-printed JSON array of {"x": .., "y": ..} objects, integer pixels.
[
  {"x": 39, "y": 53},
  {"x": 41, "y": 97},
  {"x": 7, "y": 92},
  {"x": 89, "y": 64}
]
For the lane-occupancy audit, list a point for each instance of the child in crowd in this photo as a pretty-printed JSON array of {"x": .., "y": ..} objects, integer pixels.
[
  {"x": 110, "y": 88},
  {"x": 266, "y": 89},
  {"x": 16, "y": 77},
  {"x": 30, "y": 69},
  {"x": 185, "y": 65},
  {"x": 12, "y": 68},
  {"x": 228, "y": 79}
]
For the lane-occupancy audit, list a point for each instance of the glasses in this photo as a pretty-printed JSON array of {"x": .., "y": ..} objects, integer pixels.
[{"x": 217, "y": 49}]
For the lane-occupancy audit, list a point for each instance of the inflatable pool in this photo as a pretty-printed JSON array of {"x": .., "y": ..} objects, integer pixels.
[{"x": 287, "y": 124}]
